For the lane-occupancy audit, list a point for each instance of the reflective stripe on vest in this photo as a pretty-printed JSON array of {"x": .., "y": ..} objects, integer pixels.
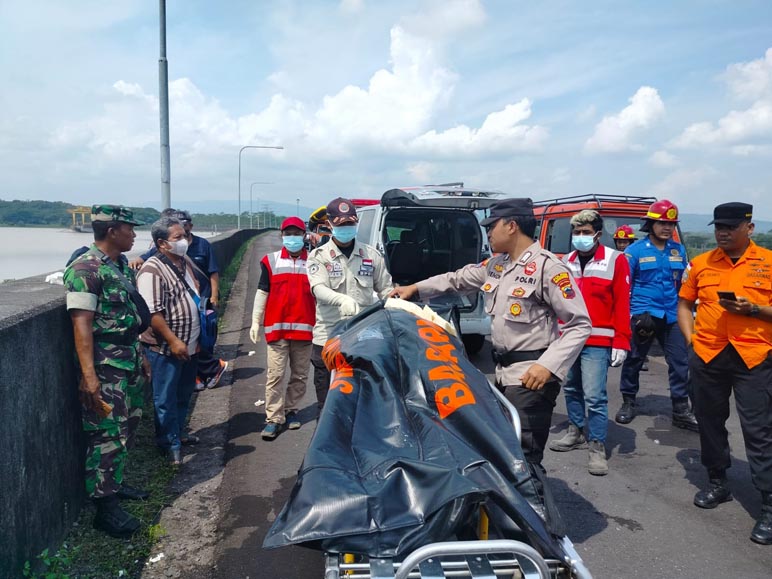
[
  {"x": 289, "y": 326},
  {"x": 605, "y": 332}
]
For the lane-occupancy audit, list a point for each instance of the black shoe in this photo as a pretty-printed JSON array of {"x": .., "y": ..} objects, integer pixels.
[
  {"x": 130, "y": 493},
  {"x": 113, "y": 520},
  {"x": 718, "y": 492},
  {"x": 683, "y": 417},
  {"x": 627, "y": 412},
  {"x": 762, "y": 530}
]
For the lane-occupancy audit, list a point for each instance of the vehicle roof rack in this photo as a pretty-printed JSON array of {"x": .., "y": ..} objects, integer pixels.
[{"x": 599, "y": 199}]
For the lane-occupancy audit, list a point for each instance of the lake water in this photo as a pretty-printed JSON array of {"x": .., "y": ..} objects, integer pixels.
[{"x": 28, "y": 251}]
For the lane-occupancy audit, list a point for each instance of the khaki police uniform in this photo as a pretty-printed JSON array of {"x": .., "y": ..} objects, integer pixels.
[
  {"x": 525, "y": 299},
  {"x": 361, "y": 277}
]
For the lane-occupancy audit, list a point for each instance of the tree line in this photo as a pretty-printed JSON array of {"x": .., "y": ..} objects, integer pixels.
[{"x": 54, "y": 214}]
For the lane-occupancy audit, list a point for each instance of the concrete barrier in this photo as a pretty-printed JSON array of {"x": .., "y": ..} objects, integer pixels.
[{"x": 41, "y": 445}]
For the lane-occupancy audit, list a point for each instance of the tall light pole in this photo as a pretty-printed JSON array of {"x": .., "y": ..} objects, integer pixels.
[
  {"x": 238, "y": 221},
  {"x": 163, "y": 111},
  {"x": 297, "y": 206},
  {"x": 250, "y": 201}
]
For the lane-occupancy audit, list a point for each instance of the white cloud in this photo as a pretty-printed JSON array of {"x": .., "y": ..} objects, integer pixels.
[
  {"x": 561, "y": 175},
  {"x": 751, "y": 80},
  {"x": 442, "y": 19},
  {"x": 422, "y": 172},
  {"x": 393, "y": 114},
  {"x": 351, "y": 6},
  {"x": 663, "y": 159},
  {"x": 681, "y": 182},
  {"x": 615, "y": 133},
  {"x": 739, "y": 129},
  {"x": 735, "y": 127}
]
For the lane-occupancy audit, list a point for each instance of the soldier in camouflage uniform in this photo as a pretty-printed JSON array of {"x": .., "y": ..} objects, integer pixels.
[{"x": 112, "y": 366}]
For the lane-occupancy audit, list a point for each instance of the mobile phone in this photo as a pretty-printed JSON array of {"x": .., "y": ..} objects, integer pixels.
[{"x": 727, "y": 296}]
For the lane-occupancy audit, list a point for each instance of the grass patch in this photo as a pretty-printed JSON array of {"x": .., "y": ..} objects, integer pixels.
[
  {"x": 229, "y": 275},
  {"x": 90, "y": 554}
]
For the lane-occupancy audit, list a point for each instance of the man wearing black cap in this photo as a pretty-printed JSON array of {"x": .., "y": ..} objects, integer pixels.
[
  {"x": 527, "y": 290},
  {"x": 731, "y": 341},
  {"x": 345, "y": 275}
]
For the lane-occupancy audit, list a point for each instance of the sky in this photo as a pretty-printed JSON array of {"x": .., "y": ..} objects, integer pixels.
[{"x": 546, "y": 99}]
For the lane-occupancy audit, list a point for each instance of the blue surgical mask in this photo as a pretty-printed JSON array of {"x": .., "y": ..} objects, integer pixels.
[
  {"x": 583, "y": 242},
  {"x": 344, "y": 233},
  {"x": 293, "y": 243}
]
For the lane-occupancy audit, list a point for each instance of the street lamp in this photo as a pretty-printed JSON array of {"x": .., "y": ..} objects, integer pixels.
[
  {"x": 250, "y": 201},
  {"x": 297, "y": 206},
  {"x": 238, "y": 220}
]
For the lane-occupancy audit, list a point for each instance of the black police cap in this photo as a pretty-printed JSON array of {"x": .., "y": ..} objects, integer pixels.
[
  {"x": 732, "y": 213},
  {"x": 518, "y": 207}
]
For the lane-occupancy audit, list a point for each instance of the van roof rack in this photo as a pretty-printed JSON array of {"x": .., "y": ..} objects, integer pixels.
[{"x": 599, "y": 199}]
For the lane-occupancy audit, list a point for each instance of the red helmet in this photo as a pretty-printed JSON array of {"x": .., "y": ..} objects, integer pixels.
[
  {"x": 624, "y": 232},
  {"x": 663, "y": 210}
]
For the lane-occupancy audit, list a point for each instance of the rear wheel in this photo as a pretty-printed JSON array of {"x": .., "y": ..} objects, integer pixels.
[{"x": 473, "y": 342}]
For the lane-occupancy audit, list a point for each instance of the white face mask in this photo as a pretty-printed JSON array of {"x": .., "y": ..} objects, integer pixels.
[{"x": 179, "y": 247}]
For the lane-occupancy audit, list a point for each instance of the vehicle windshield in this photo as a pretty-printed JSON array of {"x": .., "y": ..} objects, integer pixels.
[{"x": 558, "y": 238}]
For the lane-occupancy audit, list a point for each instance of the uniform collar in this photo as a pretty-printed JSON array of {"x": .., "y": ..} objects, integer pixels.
[
  {"x": 286, "y": 254},
  {"x": 333, "y": 251},
  {"x": 599, "y": 255},
  {"x": 751, "y": 252}
]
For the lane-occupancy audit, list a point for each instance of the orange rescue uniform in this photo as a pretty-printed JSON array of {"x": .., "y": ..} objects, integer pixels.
[{"x": 714, "y": 328}]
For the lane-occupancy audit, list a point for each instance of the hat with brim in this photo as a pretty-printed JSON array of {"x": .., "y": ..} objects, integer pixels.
[
  {"x": 732, "y": 213},
  {"x": 293, "y": 222},
  {"x": 113, "y": 213},
  {"x": 517, "y": 207},
  {"x": 341, "y": 211}
]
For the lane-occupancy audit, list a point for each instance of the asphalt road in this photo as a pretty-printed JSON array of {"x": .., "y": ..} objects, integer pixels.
[{"x": 637, "y": 522}]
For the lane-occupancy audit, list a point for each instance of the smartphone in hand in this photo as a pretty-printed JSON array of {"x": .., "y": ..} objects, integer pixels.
[{"x": 727, "y": 296}]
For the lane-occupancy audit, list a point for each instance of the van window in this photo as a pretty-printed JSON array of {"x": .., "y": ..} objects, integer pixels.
[
  {"x": 366, "y": 217},
  {"x": 558, "y": 236}
]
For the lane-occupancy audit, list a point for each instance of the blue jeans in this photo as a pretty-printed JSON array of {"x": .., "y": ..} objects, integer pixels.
[
  {"x": 585, "y": 387},
  {"x": 673, "y": 344},
  {"x": 173, "y": 384}
]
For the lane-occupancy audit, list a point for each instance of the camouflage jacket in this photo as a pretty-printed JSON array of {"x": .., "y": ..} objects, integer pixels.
[{"x": 92, "y": 285}]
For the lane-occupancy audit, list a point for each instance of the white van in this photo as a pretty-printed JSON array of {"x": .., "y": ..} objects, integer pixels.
[{"x": 432, "y": 229}]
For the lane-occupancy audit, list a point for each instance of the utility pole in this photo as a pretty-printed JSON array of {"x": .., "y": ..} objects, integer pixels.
[
  {"x": 163, "y": 111},
  {"x": 238, "y": 221}
]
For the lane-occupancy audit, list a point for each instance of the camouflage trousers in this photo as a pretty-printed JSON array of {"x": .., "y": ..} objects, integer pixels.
[{"x": 108, "y": 439}]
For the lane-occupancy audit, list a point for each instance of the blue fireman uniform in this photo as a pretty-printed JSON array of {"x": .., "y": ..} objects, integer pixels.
[{"x": 655, "y": 278}]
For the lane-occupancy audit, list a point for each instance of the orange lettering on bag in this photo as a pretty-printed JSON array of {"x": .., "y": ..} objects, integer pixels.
[
  {"x": 451, "y": 398},
  {"x": 335, "y": 360}
]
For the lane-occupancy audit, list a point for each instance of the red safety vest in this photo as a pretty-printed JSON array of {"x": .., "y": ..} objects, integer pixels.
[
  {"x": 605, "y": 287},
  {"x": 290, "y": 312}
]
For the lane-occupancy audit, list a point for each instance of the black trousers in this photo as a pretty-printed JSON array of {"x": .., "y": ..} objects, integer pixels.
[
  {"x": 712, "y": 385},
  {"x": 321, "y": 376},
  {"x": 208, "y": 365},
  {"x": 535, "y": 410}
]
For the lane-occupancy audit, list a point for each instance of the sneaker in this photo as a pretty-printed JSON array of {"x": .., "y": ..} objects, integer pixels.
[
  {"x": 213, "y": 382},
  {"x": 199, "y": 385},
  {"x": 573, "y": 439},
  {"x": 270, "y": 431},
  {"x": 293, "y": 422},
  {"x": 597, "y": 463}
]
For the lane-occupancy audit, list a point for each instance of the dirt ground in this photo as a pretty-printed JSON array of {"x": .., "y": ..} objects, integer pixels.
[{"x": 190, "y": 522}]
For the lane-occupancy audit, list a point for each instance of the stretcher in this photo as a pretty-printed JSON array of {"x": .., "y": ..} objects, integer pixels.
[{"x": 477, "y": 559}]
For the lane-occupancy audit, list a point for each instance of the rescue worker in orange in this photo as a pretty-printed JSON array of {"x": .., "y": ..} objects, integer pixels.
[
  {"x": 731, "y": 340},
  {"x": 623, "y": 236}
]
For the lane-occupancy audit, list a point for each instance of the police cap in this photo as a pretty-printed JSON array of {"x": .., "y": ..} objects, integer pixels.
[
  {"x": 732, "y": 213},
  {"x": 518, "y": 207}
]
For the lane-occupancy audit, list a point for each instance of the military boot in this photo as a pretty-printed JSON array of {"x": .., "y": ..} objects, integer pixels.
[
  {"x": 762, "y": 530},
  {"x": 573, "y": 439},
  {"x": 597, "y": 463},
  {"x": 113, "y": 520},
  {"x": 627, "y": 412},
  {"x": 683, "y": 417},
  {"x": 717, "y": 492}
]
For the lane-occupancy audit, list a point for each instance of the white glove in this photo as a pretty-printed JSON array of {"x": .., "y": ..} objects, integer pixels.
[
  {"x": 258, "y": 309},
  {"x": 348, "y": 307},
  {"x": 254, "y": 333},
  {"x": 617, "y": 357}
]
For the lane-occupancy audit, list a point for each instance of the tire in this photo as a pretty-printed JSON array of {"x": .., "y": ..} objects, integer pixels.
[{"x": 473, "y": 343}]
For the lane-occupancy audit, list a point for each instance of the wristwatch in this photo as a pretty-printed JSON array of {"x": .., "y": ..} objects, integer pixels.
[{"x": 755, "y": 309}]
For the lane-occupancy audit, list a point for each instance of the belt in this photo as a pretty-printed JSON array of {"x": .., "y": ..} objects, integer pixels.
[
  {"x": 118, "y": 339},
  {"x": 515, "y": 356}
]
